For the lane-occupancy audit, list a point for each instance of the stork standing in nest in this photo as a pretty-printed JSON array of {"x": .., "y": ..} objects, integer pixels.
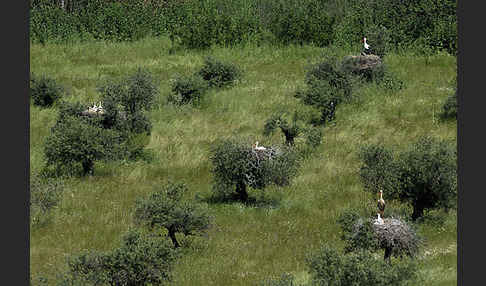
[
  {"x": 367, "y": 48},
  {"x": 381, "y": 204}
]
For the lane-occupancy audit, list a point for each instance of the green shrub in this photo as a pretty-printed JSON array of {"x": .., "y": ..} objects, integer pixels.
[
  {"x": 324, "y": 97},
  {"x": 236, "y": 165},
  {"x": 329, "y": 267},
  {"x": 44, "y": 195},
  {"x": 141, "y": 259},
  {"x": 423, "y": 176},
  {"x": 45, "y": 91},
  {"x": 188, "y": 90},
  {"x": 291, "y": 127},
  {"x": 166, "y": 209},
  {"x": 329, "y": 70},
  {"x": 74, "y": 142},
  {"x": 218, "y": 73},
  {"x": 449, "y": 109},
  {"x": 379, "y": 39},
  {"x": 408, "y": 22}
]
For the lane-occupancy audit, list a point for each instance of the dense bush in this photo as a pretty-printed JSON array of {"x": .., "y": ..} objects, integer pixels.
[
  {"x": 293, "y": 126},
  {"x": 430, "y": 22},
  {"x": 218, "y": 73},
  {"x": 329, "y": 267},
  {"x": 166, "y": 209},
  {"x": 449, "y": 109},
  {"x": 96, "y": 19},
  {"x": 188, "y": 90},
  {"x": 74, "y": 142},
  {"x": 44, "y": 90},
  {"x": 236, "y": 165},
  {"x": 423, "y": 176},
  {"x": 141, "y": 259},
  {"x": 44, "y": 195}
]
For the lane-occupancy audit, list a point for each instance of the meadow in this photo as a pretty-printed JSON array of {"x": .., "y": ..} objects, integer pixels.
[{"x": 247, "y": 243}]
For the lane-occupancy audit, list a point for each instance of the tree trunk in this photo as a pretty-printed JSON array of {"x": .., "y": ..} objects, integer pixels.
[
  {"x": 418, "y": 211},
  {"x": 87, "y": 167},
  {"x": 241, "y": 190},
  {"x": 289, "y": 139},
  {"x": 173, "y": 237},
  {"x": 388, "y": 252}
]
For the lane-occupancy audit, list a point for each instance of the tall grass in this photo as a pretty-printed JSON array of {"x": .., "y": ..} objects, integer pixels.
[{"x": 247, "y": 244}]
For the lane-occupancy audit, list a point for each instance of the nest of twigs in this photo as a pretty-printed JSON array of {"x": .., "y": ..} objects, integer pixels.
[
  {"x": 396, "y": 235},
  {"x": 361, "y": 63}
]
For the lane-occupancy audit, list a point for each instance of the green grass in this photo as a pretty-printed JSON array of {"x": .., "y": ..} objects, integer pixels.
[{"x": 247, "y": 244}]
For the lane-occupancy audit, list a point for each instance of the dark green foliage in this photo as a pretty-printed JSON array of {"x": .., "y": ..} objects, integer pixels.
[
  {"x": 324, "y": 97},
  {"x": 236, "y": 165},
  {"x": 449, "y": 109},
  {"x": 431, "y": 22},
  {"x": 291, "y": 127},
  {"x": 285, "y": 279},
  {"x": 45, "y": 90},
  {"x": 141, "y": 259},
  {"x": 188, "y": 90},
  {"x": 313, "y": 136},
  {"x": 96, "y": 19},
  {"x": 379, "y": 170},
  {"x": 428, "y": 175},
  {"x": 167, "y": 209},
  {"x": 126, "y": 103},
  {"x": 329, "y": 267},
  {"x": 218, "y": 73},
  {"x": 357, "y": 233},
  {"x": 44, "y": 195},
  {"x": 424, "y": 175},
  {"x": 329, "y": 70},
  {"x": 74, "y": 142},
  {"x": 379, "y": 39}
]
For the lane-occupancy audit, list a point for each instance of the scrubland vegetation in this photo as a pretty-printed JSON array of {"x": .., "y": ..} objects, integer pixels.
[{"x": 164, "y": 187}]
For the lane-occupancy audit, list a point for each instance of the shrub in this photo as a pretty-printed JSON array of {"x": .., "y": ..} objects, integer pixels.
[
  {"x": 188, "y": 90},
  {"x": 329, "y": 70},
  {"x": 428, "y": 175},
  {"x": 218, "y": 73},
  {"x": 236, "y": 165},
  {"x": 166, "y": 209},
  {"x": 449, "y": 109},
  {"x": 324, "y": 97},
  {"x": 45, "y": 90},
  {"x": 75, "y": 142},
  {"x": 44, "y": 195},
  {"x": 141, "y": 259},
  {"x": 424, "y": 175},
  {"x": 290, "y": 128},
  {"x": 329, "y": 267}
]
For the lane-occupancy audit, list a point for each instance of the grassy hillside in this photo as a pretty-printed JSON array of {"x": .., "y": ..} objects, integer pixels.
[{"x": 247, "y": 244}]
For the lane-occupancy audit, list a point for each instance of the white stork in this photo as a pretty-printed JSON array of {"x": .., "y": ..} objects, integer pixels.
[
  {"x": 381, "y": 203},
  {"x": 379, "y": 220},
  {"x": 367, "y": 47},
  {"x": 256, "y": 147}
]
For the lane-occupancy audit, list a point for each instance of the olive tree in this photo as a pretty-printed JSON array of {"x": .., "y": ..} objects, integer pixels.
[
  {"x": 167, "y": 209},
  {"x": 75, "y": 142},
  {"x": 424, "y": 175},
  {"x": 236, "y": 166},
  {"x": 141, "y": 259}
]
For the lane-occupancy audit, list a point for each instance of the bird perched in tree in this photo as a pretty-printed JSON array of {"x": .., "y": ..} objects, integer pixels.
[
  {"x": 367, "y": 47},
  {"x": 381, "y": 203}
]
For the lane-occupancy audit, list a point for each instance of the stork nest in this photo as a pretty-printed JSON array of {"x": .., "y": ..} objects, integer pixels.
[
  {"x": 397, "y": 235},
  {"x": 361, "y": 63}
]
